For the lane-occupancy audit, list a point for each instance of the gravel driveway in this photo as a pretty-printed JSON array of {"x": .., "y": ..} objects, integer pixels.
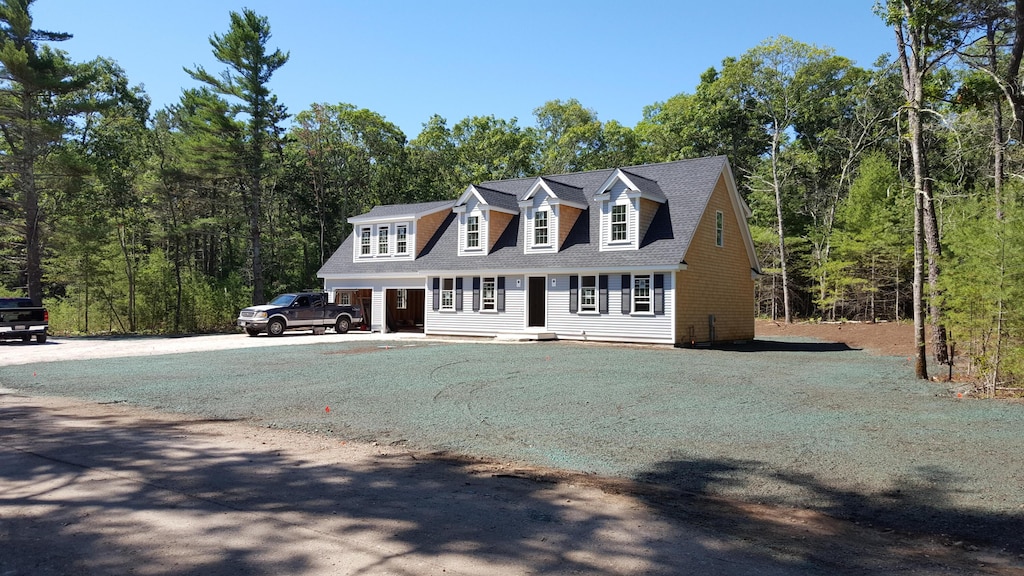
[{"x": 789, "y": 423}]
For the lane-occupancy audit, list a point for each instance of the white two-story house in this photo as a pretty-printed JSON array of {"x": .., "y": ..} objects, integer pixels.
[{"x": 659, "y": 253}]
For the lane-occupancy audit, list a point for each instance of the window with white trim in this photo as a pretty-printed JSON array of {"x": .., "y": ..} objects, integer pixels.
[
  {"x": 472, "y": 231},
  {"x": 588, "y": 293},
  {"x": 619, "y": 231},
  {"x": 344, "y": 299},
  {"x": 365, "y": 236},
  {"x": 401, "y": 239},
  {"x": 488, "y": 293},
  {"x": 382, "y": 240},
  {"x": 540, "y": 228},
  {"x": 448, "y": 294},
  {"x": 719, "y": 223},
  {"x": 401, "y": 299},
  {"x": 642, "y": 294}
]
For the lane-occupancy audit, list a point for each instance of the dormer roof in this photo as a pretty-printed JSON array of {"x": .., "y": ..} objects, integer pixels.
[
  {"x": 557, "y": 192},
  {"x": 493, "y": 199},
  {"x": 398, "y": 212},
  {"x": 637, "y": 185}
]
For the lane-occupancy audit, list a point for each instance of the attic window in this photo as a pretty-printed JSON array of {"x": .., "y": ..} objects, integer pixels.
[
  {"x": 472, "y": 232},
  {"x": 540, "y": 228},
  {"x": 364, "y": 241},
  {"x": 619, "y": 233},
  {"x": 718, "y": 228},
  {"x": 402, "y": 239}
]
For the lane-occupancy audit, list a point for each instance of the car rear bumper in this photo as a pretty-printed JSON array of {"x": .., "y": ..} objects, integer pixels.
[{"x": 21, "y": 330}]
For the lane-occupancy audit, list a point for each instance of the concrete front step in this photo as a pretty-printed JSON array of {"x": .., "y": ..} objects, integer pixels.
[{"x": 525, "y": 336}]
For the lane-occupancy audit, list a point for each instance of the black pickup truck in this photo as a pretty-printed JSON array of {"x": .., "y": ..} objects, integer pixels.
[
  {"x": 21, "y": 319},
  {"x": 298, "y": 311}
]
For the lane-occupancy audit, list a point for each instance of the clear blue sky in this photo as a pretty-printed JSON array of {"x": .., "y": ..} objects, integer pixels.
[{"x": 408, "y": 60}]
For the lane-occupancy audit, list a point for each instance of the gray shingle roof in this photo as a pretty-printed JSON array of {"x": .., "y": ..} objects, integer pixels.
[
  {"x": 405, "y": 210},
  {"x": 686, "y": 184},
  {"x": 498, "y": 199},
  {"x": 565, "y": 191}
]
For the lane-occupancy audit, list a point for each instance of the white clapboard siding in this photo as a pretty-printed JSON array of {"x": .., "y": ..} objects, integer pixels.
[
  {"x": 470, "y": 323},
  {"x": 611, "y": 326}
]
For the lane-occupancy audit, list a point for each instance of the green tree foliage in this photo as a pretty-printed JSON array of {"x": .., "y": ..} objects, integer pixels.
[
  {"x": 243, "y": 49},
  {"x": 984, "y": 289},
  {"x": 572, "y": 139},
  {"x": 869, "y": 276},
  {"x": 778, "y": 80},
  {"x": 711, "y": 121},
  {"x": 35, "y": 84},
  {"x": 342, "y": 162},
  {"x": 474, "y": 150}
]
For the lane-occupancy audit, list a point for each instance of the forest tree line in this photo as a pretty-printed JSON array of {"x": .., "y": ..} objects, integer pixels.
[{"x": 884, "y": 193}]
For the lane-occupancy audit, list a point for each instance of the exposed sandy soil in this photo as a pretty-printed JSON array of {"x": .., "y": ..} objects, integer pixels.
[{"x": 888, "y": 338}]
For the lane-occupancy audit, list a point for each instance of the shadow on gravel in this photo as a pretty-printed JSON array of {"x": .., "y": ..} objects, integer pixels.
[
  {"x": 786, "y": 346},
  {"x": 88, "y": 498},
  {"x": 921, "y": 508},
  {"x": 429, "y": 509}
]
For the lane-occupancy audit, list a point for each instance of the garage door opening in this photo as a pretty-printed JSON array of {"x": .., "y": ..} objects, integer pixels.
[
  {"x": 362, "y": 298},
  {"x": 405, "y": 309}
]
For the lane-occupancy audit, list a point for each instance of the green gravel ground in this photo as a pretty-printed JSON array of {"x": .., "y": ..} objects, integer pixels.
[{"x": 784, "y": 421}]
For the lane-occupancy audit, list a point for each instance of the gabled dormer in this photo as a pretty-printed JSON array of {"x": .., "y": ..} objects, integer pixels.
[
  {"x": 396, "y": 232},
  {"x": 550, "y": 209},
  {"x": 628, "y": 203},
  {"x": 483, "y": 214}
]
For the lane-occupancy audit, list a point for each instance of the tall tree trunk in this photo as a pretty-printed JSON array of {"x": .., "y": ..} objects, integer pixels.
[
  {"x": 934, "y": 246},
  {"x": 258, "y": 296},
  {"x": 920, "y": 338},
  {"x": 33, "y": 235},
  {"x": 912, "y": 88},
  {"x": 779, "y": 224}
]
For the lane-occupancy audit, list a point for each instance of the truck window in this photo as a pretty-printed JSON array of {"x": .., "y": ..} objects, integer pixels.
[{"x": 303, "y": 302}]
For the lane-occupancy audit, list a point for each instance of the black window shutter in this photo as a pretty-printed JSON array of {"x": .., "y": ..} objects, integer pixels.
[
  {"x": 626, "y": 307},
  {"x": 602, "y": 302},
  {"x": 437, "y": 294},
  {"x": 476, "y": 294},
  {"x": 659, "y": 293},
  {"x": 501, "y": 293},
  {"x": 574, "y": 290},
  {"x": 458, "y": 294}
]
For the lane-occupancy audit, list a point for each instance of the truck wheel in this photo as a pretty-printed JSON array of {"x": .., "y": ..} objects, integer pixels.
[
  {"x": 275, "y": 327},
  {"x": 252, "y": 331},
  {"x": 342, "y": 325},
  {"x": 41, "y": 338}
]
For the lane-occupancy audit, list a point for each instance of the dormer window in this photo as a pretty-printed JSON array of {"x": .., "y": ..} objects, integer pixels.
[
  {"x": 619, "y": 230},
  {"x": 540, "y": 228},
  {"x": 472, "y": 232},
  {"x": 382, "y": 240},
  {"x": 401, "y": 239},
  {"x": 364, "y": 241}
]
